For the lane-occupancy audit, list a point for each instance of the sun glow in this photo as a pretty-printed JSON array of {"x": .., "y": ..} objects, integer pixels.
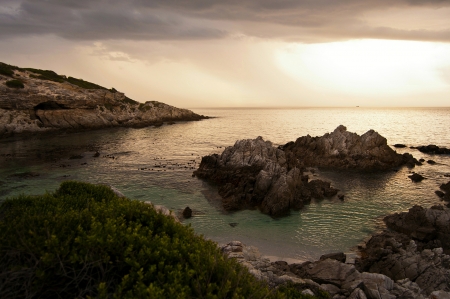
[{"x": 368, "y": 67}]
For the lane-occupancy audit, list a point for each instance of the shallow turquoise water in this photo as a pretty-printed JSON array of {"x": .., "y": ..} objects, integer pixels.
[{"x": 132, "y": 160}]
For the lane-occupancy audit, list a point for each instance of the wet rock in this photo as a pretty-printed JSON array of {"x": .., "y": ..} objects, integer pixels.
[
  {"x": 434, "y": 149},
  {"x": 187, "y": 213},
  {"x": 338, "y": 256},
  {"x": 415, "y": 177},
  {"x": 76, "y": 157},
  {"x": 432, "y": 162},
  {"x": 24, "y": 175},
  {"x": 341, "y": 196},
  {"x": 233, "y": 224},
  {"x": 399, "y": 145},
  {"x": 96, "y": 155},
  {"x": 439, "y": 193}
]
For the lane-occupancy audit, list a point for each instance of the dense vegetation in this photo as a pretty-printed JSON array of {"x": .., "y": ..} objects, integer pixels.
[
  {"x": 15, "y": 84},
  {"x": 7, "y": 70},
  {"x": 83, "y": 241}
]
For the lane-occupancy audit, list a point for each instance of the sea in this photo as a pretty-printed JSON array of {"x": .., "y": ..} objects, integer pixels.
[{"x": 156, "y": 164}]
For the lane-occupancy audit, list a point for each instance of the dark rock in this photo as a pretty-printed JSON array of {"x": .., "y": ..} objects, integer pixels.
[
  {"x": 233, "y": 224},
  {"x": 439, "y": 193},
  {"x": 342, "y": 149},
  {"x": 341, "y": 196},
  {"x": 253, "y": 173},
  {"x": 421, "y": 160},
  {"x": 415, "y": 177},
  {"x": 399, "y": 145},
  {"x": 187, "y": 213},
  {"x": 96, "y": 155},
  {"x": 431, "y": 162},
  {"x": 445, "y": 187},
  {"x": 76, "y": 157},
  {"x": 24, "y": 175},
  {"x": 339, "y": 256},
  {"x": 434, "y": 149}
]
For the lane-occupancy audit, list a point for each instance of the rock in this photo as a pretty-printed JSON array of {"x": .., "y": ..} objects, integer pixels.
[
  {"x": 331, "y": 272},
  {"x": 76, "y": 157},
  {"x": 307, "y": 292},
  {"x": 357, "y": 294},
  {"x": 233, "y": 224},
  {"x": 45, "y": 105},
  {"x": 432, "y": 162},
  {"x": 254, "y": 173},
  {"x": 412, "y": 250},
  {"x": 24, "y": 175},
  {"x": 163, "y": 210},
  {"x": 434, "y": 149},
  {"x": 415, "y": 177},
  {"x": 342, "y": 149},
  {"x": 187, "y": 213},
  {"x": 399, "y": 145},
  {"x": 440, "y": 295},
  {"x": 339, "y": 256},
  {"x": 445, "y": 187},
  {"x": 96, "y": 155},
  {"x": 341, "y": 196}
]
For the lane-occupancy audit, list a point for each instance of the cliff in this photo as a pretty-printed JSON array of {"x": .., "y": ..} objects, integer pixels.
[{"x": 34, "y": 100}]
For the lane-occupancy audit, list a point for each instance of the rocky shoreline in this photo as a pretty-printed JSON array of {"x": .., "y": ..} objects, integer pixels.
[
  {"x": 47, "y": 102},
  {"x": 255, "y": 174},
  {"x": 409, "y": 259}
]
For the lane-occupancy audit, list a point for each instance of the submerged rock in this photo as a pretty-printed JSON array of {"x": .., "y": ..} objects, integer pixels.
[
  {"x": 415, "y": 177},
  {"x": 434, "y": 149}
]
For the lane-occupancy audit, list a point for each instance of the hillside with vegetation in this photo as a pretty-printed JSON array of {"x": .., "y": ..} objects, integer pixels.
[{"x": 34, "y": 100}]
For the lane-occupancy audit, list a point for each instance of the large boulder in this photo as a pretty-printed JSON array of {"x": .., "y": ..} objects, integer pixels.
[
  {"x": 343, "y": 149},
  {"x": 254, "y": 173}
]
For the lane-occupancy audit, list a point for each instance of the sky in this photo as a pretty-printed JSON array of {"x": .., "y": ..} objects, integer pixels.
[{"x": 241, "y": 53}]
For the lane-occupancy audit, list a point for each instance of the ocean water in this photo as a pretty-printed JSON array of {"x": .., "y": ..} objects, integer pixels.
[{"x": 156, "y": 164}]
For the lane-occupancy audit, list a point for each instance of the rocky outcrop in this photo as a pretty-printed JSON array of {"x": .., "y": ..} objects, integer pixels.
[
  {"x": 336, "y": 278},
  {"x": 254, "y": 173},
  {"x": 45, "y": 105},
  {"x": 343, "y": 149},
  {"x": 416, "y": 248},
  {"x": 433, "y": 149}
]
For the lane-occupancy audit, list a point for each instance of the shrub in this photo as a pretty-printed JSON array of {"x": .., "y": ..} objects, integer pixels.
[
  {"x": 46, "y": 75},
  {"x": 7, "y": 70},
  {"x": 84, "y": 84},
  {"x": 15, "y": 84},
  {"x": 82, "y": 240}
]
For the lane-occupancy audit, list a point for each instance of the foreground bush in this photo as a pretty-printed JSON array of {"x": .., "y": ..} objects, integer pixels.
[{"x": 83, "y": 241}]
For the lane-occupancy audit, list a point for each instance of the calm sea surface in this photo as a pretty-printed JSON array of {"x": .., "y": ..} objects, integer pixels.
[{"x": 156, "y": 164}]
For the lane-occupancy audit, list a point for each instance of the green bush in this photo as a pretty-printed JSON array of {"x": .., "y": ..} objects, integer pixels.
[
  {"x": 84, "y": 84},
  {"x": 7, "y": 70},
  {"x": 15, "y": 84},
  {"x": 46, "y": 75},
  {"x": 83, "y": 241}
]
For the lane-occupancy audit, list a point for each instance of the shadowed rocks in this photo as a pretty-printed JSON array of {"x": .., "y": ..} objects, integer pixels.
[{"x": 254, "y": 173}]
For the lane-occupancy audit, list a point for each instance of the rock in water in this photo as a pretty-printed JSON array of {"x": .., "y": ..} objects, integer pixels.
[
  {"x": 415, "y": 177},
  {"x": 254, "y": 173},
  {"x": 343, "y": 149},
  {"x": 187, "y": 213}
]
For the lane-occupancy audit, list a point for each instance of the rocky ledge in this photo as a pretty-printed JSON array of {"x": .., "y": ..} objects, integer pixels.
[
  {"x": 407, "y": 261},
  {"x": 41, "y": 101},
  {"x": 253, "y": 173},
  {"x": 346, "y": 150}
]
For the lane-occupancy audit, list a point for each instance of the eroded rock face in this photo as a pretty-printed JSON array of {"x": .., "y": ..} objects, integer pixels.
[
  {"x": 253, "y": 173},
  {"x": 416, "y": 249},
  {"x": 45, "y": 105},
  {"x": 343, "y": 149}
]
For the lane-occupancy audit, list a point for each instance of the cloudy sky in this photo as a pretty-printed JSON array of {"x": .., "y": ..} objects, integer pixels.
[{"x": 240, "y": 53}]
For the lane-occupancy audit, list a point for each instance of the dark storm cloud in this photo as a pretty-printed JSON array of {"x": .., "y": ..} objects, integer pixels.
[{"x": 206, "y": 19}]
